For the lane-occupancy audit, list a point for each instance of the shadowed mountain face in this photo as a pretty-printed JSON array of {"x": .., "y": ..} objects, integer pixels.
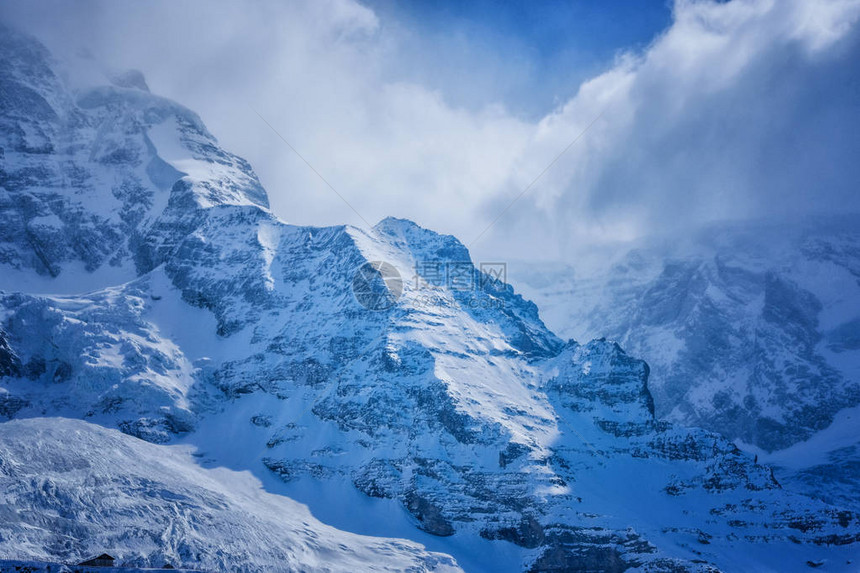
[{"x": 196, "y": 317}]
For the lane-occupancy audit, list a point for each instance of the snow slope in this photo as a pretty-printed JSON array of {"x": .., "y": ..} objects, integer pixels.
[{"x": 72, "y": 489}]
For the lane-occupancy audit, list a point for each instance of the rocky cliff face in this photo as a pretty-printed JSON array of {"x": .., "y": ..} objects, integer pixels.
[{"x": 454, "y": 409}]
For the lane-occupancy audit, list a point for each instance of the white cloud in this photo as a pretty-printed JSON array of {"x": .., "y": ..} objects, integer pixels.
[{"x": 739, "y": 109}]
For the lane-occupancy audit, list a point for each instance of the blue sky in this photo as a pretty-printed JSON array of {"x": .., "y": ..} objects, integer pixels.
[
  {"x": 547, "y": 29},
  {"x": 551, "y": 47}
]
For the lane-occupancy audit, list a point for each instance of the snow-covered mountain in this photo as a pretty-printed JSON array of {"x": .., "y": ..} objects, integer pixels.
[
  {"x": 148, "y": 289},
  {"x": 751, "y": 330}
]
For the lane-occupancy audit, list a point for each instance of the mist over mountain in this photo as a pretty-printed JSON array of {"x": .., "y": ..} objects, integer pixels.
[
  {"x": 712, "y": 111},
  {"x": 750, "y": 331}
]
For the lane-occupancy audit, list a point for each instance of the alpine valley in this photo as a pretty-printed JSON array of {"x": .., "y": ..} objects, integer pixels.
[{"x": 188, "y": 379}]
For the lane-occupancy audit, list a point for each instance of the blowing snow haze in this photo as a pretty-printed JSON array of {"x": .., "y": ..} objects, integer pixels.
[{"x": 488, "y": 287}]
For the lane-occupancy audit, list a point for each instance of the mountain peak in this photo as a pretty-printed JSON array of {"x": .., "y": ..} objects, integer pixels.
[
  {"x": 125, "y": 166},
  {"x": 132, "y": 79}
]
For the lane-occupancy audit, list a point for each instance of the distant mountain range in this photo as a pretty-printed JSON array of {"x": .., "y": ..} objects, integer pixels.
[
  {"x": 751, "y": 330},
  {"x": 181, "y": 371}
]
